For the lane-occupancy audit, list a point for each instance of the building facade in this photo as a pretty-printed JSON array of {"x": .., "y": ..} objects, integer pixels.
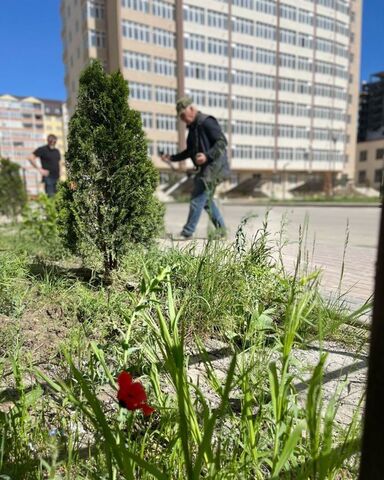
[
  {"x": 371, "y": 109},
  {"x": 370, "y": 163},
  {"x": 25, "y": 123},
  {"x": 280, "y": 76}
]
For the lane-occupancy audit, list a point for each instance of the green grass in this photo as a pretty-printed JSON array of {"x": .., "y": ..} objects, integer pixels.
[{"x": 68, "y": 336}]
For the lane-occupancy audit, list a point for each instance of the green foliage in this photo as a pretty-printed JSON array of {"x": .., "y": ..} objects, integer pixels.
[
  {"x": 12, "y": 283},
  {"x": 220, "y": 415},
  {"x": 12, "y": 192},
  {"x": 111, "y": 204},
  {"x": 40, "y": 225}
]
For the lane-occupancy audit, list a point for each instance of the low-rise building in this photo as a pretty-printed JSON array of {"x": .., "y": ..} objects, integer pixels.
[
  {"x": 25, "y": 123},
  {"x": 370, "y": 163}
]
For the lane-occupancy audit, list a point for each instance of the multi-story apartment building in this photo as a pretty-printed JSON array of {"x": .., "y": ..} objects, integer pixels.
[
  {"x": 280, "y": 75},
  {"x": 371, "y": 109},
  {"x": 25, "y": 122}
]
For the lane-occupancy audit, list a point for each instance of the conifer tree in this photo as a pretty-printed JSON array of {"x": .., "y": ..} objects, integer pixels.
[
  {"x": 108, "y": 200},
  {"x": 12, "y": 191}
]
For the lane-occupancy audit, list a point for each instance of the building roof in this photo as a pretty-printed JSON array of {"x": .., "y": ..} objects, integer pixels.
[
  {"x": 29, "y": 97},
  {"x": 51, "y": 107}
]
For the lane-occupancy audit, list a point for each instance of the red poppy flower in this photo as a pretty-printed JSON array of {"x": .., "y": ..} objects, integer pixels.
[{"x": 131, "y": 395}]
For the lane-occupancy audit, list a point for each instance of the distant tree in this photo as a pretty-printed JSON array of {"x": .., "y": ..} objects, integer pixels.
[
  {"x": 108, "y": 200},
  {"x": 12, "y": 191}
]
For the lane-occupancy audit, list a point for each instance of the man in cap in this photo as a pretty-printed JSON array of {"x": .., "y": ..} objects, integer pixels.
[{"x": 207, "y": 148}]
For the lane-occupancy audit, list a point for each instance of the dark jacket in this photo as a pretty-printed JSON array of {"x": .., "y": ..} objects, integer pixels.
[{"x": 206, "y": 136}]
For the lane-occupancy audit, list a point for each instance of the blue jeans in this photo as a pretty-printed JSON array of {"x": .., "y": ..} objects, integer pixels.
[
  {"x": 202, "y": 198},
  {"x": 50, "y": 185}
]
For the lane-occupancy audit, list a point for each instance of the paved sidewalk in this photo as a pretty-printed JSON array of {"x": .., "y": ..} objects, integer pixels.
[{"x": 325, "y": 239}]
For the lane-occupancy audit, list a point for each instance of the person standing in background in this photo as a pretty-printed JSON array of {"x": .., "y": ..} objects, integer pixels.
[{"x": 49, "y": 157}]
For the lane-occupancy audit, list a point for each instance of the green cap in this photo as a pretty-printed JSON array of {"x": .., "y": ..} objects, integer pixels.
[{"x": 182, "y": 103}]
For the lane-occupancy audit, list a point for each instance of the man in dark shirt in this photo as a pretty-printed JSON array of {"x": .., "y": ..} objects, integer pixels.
[
  {"x": 207, "y": 147},
  {"x": 50, "y": 164}
]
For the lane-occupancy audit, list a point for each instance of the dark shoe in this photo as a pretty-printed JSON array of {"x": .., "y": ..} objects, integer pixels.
[{"x": 186, "y": 235}]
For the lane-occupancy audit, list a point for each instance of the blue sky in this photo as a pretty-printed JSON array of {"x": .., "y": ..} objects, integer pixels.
[{"x": 31, "y": 52}]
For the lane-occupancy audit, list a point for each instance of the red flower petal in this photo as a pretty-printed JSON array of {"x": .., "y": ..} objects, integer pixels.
[
  {"x": 125, "y": 381},
  {"x": 147, "y": 410},
  {"x": 131, "y": 395}
]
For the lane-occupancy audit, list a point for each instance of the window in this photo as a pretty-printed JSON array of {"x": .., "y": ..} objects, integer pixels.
[
  {"x": 264, "y": 153},
  {"x": 362, "y": 176},
  {"x": 265, "y": 81},
  {"x": 286, "y": 108},
  {"x": 165, "y": 122},
  {"x": 265, "y": 56},
  {"x": 304, "y": 40},
  {"x": 147, "y": 119},
  {"x": 378, "y": 175},
  {"x": 287, "y": 131},
  {"x": 163, "y": 38},
  {"x": 217, "y": 74},
  {"x": 325, "y": 22},
  {"x": 325, "y": 45},
  {"x": 379, "y": 153},
  {"x": 303, "y": 110},
  {"x": 243, "y": 151},
  {"x": 165, "y": 67},
  {"x": 244, "y": 3},
  {"x": 95, "y": 9},
  {"x": 363, "y": 156},
  {"x": 96, "y": 39},
  {"x": 139, "y": 5},
  {"x": 264, "y": 106},
  {"x": 167, "y": 147},
  {"x": 241, "y": 127},
  {"x": 242, "y": 103},
  {"x": 266, "y": 6},
  {"x": 287, "y": 61},
  {"x": 243, "y": 52},
  {"x": 165, "y": 95},
  {"x": 287, "y": 36},
  {"x": 285, "y": 154},
  {"x": 304, "y": 64},
  {"x": 264, "y": 130},
  {"x": 302, "y": 132},
  {"x": 195, "y": 42},
  {"x": 136, "y": 31},
  {"x": 264, "y": 30},
  {"x": 305, "y": 17},
  {"x": 218, "y": 100},
  {"x": 194, "y": 14},
  {"x": 217, "y": 47},
  {"x": 242, "y": 77},
  {"x": 327, "y": 3},
  {"x": 217, "y": 20},
  {"x": 286, "y": 84},
  {"x": 304, "y": 87},
  {"x": 242, "y": 25},
  {"x": 288, "y": 12},
  {"x": 195, "y": 70},
  {"x": 140, "y": 91},
  {"x": 198, "y": 97},
  {"x": 163, "y": 9},
  {"x": 137, "y": 61}
]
